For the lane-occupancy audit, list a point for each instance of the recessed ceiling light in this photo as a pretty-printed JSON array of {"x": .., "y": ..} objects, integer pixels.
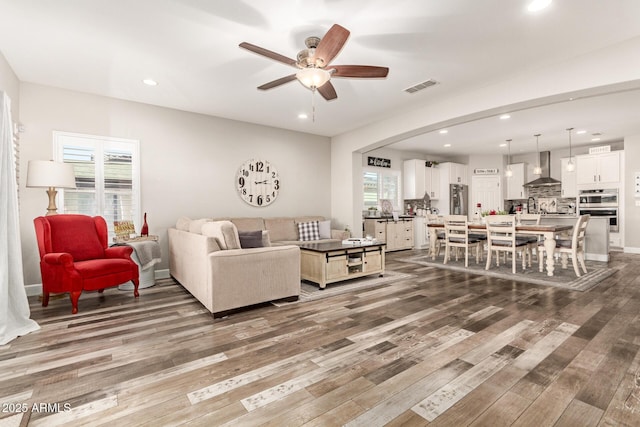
[
  {"x": 447, "y": 145},
  {"x": 443, "y": 131},
  {"x": 580, "y": 132},
  {"x": 303, "y": 116},
  {"x": 537, "y": 5},
  {"x": 503, "y": 145},
  {"x": 595, "y": 139},
  {"x": 150, "y": 82},
  {"x": 505, "y": 117}
]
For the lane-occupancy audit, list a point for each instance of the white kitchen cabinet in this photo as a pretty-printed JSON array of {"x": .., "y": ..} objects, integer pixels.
[
  {"x": 432, "y": 182},
  {"x": 397, "y": 235},
  {"x": 569, "y": 180},
  {"x": 453, "y": 173},
  {"x": 598, "y": 169},
  {"x": 515, "y": 183},
  {"x": 413, "y": 179}
]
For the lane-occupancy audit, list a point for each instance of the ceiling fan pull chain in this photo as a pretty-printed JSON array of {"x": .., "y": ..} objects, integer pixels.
[{"x": 313, "y": 105}]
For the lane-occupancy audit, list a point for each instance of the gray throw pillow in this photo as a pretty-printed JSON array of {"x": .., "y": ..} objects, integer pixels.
[{"x": 250, "y": 239}]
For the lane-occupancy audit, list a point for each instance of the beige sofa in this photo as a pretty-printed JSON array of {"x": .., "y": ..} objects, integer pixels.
[
  {"x": 284, "y": 230},
  {"x": 205, "y": 257}
]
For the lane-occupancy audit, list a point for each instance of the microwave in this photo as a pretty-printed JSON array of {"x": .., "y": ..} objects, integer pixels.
[{"x": 598, "y": 198}]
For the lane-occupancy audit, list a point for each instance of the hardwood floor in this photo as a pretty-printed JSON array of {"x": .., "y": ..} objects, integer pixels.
[{"x": 439, "y": 349}]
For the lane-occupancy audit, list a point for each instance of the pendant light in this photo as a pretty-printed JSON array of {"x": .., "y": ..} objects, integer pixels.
[
  {"x": 508, "y": 172},
  {"x": 570, "y": 165},
  {"x": 537, "y": 170}
]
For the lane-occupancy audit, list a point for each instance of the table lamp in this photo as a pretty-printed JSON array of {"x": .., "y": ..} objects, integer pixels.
[{"x": 49, "y": 174}]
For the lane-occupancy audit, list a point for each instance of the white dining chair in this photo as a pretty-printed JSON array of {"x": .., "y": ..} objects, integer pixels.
[
  {"x": 501, "y": 237},
  {"x": 456, "y": 228},
  {"x": 573, "y": 247},
  {"x": 530, "y": 219}
]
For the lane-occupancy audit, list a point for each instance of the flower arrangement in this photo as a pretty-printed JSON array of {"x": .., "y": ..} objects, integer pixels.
[{"x": 493, "y": 212}]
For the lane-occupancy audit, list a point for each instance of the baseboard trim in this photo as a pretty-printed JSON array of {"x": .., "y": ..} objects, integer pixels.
[
  {"x": 631, "y": 250},
  {"x": 36, "y": 288},
  {"x": 597, "y": 257}
]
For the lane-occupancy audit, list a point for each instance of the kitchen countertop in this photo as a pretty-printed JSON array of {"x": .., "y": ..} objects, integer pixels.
[{"x": 389, "y": 217}]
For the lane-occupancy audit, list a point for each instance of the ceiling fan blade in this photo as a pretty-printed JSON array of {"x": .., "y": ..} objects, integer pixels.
[
  {"x": 269, "y": 54},
  {"x": 332, "y": 43},
  {"x": 327, "y": 91},
  {"x": 278, "y": 82},
  {"x": 363, "y": 71}
]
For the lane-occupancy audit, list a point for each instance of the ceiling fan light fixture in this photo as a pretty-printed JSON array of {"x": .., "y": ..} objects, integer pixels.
[{"x": 312, "y": 77}]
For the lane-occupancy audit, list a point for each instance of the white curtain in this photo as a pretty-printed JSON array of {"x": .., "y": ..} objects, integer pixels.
[{"x": 14, "y": 306}]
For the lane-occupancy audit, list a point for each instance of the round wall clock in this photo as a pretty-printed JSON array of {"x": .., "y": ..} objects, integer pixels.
[{"x": 257, "y": 182}]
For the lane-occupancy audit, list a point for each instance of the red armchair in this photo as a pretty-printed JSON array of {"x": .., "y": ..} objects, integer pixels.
[{"x": 74, "y": 257}]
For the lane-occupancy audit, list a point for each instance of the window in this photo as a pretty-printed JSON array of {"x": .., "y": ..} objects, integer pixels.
[
  {"x": 107, "y": 177},
  {"x": 381, "y": 184}
]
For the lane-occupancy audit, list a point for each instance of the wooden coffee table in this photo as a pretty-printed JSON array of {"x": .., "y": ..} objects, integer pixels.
[{"x": 332, "y": 262}]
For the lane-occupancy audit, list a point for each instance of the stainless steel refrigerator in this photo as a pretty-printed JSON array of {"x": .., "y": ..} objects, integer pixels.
[{"x": 458, "y": 199}]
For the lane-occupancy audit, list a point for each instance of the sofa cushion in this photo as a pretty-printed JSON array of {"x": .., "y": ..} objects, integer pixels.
[
  {"x": 195, "y": 226},
  {"x": 182, "y": 223},
  {"x": 250, "y": 239},
  {"x": 324, "y": 228},
  {"x": 266, "y": 240},
  {"x": 281, "y": 229},
  {"x": 224, "y": 232},
  {"x": 248, "y": 224},
  {"x": 308, "y": 231}
]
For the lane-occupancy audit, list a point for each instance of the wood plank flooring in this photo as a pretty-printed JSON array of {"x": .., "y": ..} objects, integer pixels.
[{"x": 441, "y": 348}]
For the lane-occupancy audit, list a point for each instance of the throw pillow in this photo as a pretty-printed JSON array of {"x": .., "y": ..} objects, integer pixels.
[
  {"x": 266, "y": 240},
  {"x": 308, "y": 231},
  {"x": 195, "y": 226},
  {"x": 224, "y": 232},
  {"x": 324, "y": 227},
  {"x": 183, "y": 223},
  {"x": 250, "y": 239}
]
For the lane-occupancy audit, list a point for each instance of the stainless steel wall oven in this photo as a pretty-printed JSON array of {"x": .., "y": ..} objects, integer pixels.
[{"x": 600, "y": 204}]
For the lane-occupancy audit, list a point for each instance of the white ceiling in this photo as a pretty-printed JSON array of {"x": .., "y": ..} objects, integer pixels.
[{"x": 190, "y": 47}]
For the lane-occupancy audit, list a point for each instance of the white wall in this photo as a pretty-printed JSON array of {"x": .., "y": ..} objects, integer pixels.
[
  {"x": 188, "y": 161},
  {"x": 631, "y": 211}
]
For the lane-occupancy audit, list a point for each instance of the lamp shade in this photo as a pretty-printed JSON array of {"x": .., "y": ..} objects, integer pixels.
[{"x": 47, "y": 173}]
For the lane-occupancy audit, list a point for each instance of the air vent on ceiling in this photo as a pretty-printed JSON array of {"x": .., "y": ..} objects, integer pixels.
[{"x": 420, "y": 86}]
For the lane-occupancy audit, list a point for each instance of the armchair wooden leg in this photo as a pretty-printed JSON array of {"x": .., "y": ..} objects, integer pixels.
[
  {"x": 136, "y": 282},
  {"x": 75, "y": 296},
  {"x": 45, "y": 299}
]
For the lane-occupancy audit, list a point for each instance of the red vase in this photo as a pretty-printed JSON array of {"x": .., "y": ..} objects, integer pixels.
[{"x": 145, "y": 227}]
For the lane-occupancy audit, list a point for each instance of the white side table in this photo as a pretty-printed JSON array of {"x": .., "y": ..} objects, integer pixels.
[{"x": 147, "y": 271}]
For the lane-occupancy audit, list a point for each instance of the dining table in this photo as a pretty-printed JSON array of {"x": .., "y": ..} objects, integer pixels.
[{"x": 548, "y": 231}]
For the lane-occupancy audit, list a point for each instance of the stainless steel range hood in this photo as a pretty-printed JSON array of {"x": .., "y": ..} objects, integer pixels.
[{"x": 545, "y": 178}]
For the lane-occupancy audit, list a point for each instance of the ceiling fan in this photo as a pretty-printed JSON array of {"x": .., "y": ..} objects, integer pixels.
[{"x": 314, "y": 63}]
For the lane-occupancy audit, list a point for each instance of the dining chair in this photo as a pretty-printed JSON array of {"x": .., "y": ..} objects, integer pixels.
[
  {"x": 456, "y": 229},
  {"x": 573, "y": 247},
  {"x": 530, "y": 219},
  {"x": 501, "y": 237}
]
